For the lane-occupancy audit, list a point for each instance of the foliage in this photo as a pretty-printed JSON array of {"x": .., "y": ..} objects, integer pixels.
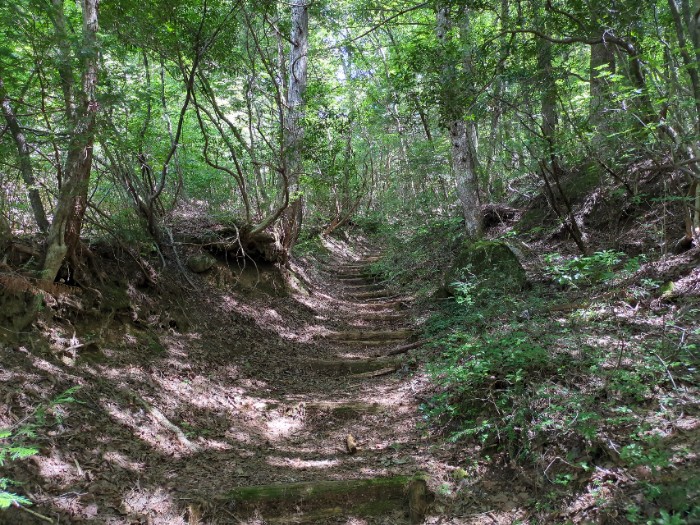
[
  {"x": 14, "y": 446},
  {"x": 572, "y": 390},
  {"x": 592, "y": 269}
]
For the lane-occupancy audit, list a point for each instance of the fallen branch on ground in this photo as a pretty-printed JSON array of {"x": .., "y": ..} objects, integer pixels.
[{"x": 405, "y": 348}]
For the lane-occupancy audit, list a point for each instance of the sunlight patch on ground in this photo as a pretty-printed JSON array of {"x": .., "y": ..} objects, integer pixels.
[
  {"x": 220, "y": 446},
  {"x": 44, "y": 365},
  {"x": 201, "y": 393},
  {"x": 302, "y": 464},
  {"x": 122, "y": 461},
  {"x": 71, "y": 504},
  {"x": 121, "y": 374},
  {"x": 157, "y": 505},
  {"x": 144, "y": 428},
  {"x": 282, "y": 426},
  {"x": 238, "y": 435},
  {"x": 57, "y": 469}
]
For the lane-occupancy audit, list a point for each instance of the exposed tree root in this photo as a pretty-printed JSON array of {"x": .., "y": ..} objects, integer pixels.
[
  {"x": 160, "y": 417},
  {"x": 405, "y": 348}
]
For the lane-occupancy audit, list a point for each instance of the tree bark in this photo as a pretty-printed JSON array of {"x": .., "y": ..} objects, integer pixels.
[
  {"x": 64, "y": 234},
  {"x": 293, "y": 129},
  {"x": 602, "y": 63},
  {"x": 463, "y": 132},
  {"x": 550, "y": 165},
  {"x": 25, "y": 161}
]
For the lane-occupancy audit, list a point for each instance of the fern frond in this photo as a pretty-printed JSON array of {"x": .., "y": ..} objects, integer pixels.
[{"x": 8, "y": 499}]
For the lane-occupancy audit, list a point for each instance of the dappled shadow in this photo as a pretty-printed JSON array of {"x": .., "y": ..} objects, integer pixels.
[{"x": 168, "y": 418}]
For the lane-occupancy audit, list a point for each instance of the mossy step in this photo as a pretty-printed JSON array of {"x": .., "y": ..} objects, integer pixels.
[
  {"x": 374, "y": 294},
  {"x": 320, "y": 500},
  {"x": 370, "y": 335},
  {"x": 353, "y": 366}
]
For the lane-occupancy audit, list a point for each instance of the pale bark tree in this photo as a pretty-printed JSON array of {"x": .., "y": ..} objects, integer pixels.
[
  {"x": 293, "y": 127},
  {"x": 462, "y": 130}
]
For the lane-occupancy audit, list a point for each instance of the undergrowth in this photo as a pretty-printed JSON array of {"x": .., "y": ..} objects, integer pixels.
[
  {"x": 17, "y": 442},
  {"x": 415, "y": 253},
  {"x": 574, "y": 394}
]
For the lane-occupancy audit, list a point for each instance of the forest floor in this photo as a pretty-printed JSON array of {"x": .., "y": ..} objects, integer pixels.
[
  {"x": 189, "y": 394},
  {"x": 186, "y": 394}
]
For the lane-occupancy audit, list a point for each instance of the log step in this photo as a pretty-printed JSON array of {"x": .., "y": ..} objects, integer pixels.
[
  {"x": 364, "y": 287},
  {"x": 375, "y": 294},
  {"x": 370, "y": 335},
  {"x": 381, "y": 305},
  {"x": 352, "y": 366},
  {"x": 352, "y": 280},
  {"x": 317, "y": 501},
  {"x": 380, "y": 317},
  {"x": 344, "y": 409}
]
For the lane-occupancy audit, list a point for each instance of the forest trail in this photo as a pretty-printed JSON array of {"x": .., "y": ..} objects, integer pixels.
[
  {"x": 357, "y": 431},
  {"x": 229, "y": 403}
]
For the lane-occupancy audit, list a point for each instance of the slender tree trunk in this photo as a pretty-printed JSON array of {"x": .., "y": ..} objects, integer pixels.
[
  {"x": 463, "y": 135},
  {"x": 602, "y": 63},
  {"x": 294, "y": 130},
  {"x": 25, "y": 161},
  {"x": 687, "y": 21},
  {"x": 64, "y": 234},
  {"x": 551, "y": 166}
]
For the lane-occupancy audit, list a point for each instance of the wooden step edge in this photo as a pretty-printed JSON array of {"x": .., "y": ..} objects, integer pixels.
[
  {"x": 375, "y": 294},
  {"x": 344, "y": 408},
  {"x": 369, "y": 335},
  {"x": 293, "y": 502},
  {"x": 352, "y": 366}
]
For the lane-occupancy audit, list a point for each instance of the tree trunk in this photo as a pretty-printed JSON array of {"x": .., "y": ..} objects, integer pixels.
[
  {"x": 551, "y": 166},
  {"x": 602, "y": 63},
  {"x": 463, "y": 133},
  {"x": 687, "y": 20},
  {"x": 25, "y": 161},
  {"x": 64, "y": 234},
  {"x": 294, "y": 130}
]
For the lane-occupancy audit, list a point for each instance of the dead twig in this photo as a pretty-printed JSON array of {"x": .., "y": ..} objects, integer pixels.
[
  {"x": 405, "y": 348},
  {"x": 158, "y": 415}
]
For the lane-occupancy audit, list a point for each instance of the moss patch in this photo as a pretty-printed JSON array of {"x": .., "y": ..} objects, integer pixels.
[{"x": 488, "y": 263}]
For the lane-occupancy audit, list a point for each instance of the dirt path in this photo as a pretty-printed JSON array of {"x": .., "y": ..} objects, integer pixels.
[
  {"x": 224, "y": 404},
  {"x": 343, "y": 436}
]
